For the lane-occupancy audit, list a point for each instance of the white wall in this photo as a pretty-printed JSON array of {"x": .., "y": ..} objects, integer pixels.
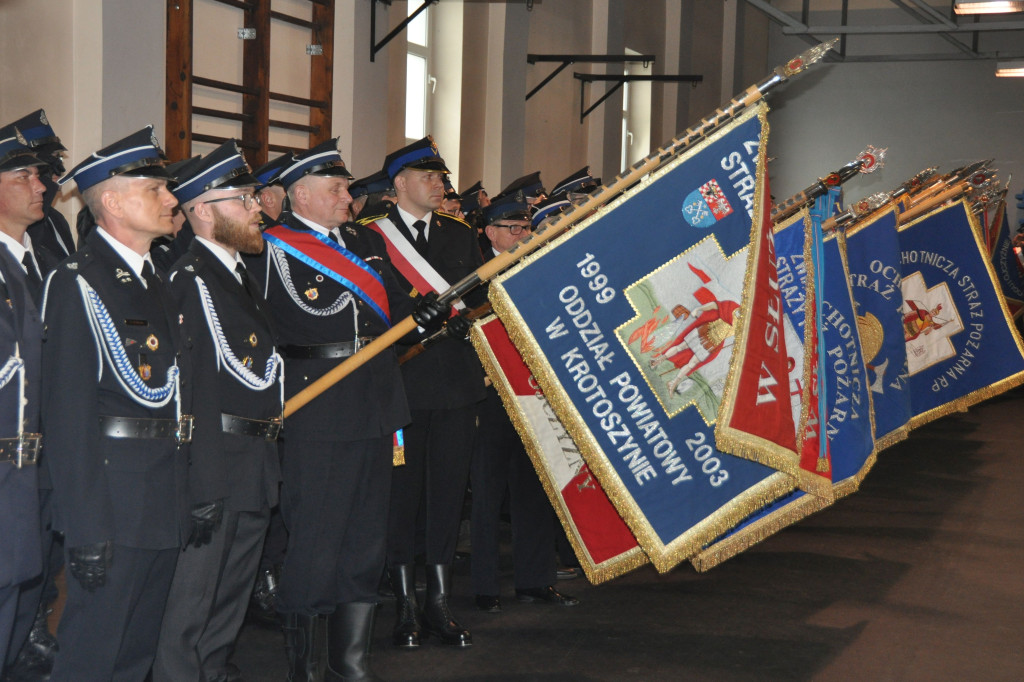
[{"x": 927, "y": 113}]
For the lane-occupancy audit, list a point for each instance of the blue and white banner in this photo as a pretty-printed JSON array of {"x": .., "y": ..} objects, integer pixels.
[
  {"x": 848, "y": 421},
  {"x": 873, "y": 256},
  {"x": 961, "y": 346},
  {"x": 628, "y": 324}
]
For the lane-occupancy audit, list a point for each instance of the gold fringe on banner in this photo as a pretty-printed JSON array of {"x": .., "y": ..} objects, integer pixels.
[
  {"x": 757, "y": 531},
  {"x": 962, "y": 403}
]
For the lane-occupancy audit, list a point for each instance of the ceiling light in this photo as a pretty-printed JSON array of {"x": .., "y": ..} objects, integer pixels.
[
  {"x": 990, "y": 7},
  {"x": 1012, "y": 69}
]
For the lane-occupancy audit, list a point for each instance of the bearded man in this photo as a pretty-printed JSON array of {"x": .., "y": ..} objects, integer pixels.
[{"x": 234, "y": 470}]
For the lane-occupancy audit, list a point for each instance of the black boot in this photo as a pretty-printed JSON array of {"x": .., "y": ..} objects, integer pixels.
[
  {"x": 349, "y": 633},
  {"x": 407, "y": 617},
  {"x": 437, "y": 618},
  {"x": 35, "y": 660},
  {"x": 300, "y": 641}
]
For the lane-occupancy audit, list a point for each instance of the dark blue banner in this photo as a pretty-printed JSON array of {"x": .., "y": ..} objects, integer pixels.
[
  {"x": 961, "y": 347},
  {"x": 873, "y": 256},
  {"x": 628, "y": 324},
  {"x": 847, "y": 421}
]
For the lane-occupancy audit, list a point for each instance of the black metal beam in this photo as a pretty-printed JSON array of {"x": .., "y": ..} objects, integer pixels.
[
  {"x": 567, "y": 59},
  {"x": 376, "y": 47},
  {"x": 618, "y": 79}
]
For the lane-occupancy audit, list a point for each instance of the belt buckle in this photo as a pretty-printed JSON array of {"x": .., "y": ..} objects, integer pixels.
[
  {"x": 183, "y": 434},
  {"x": 28, "y": 449},
  {"x": 273, "y": 429}
]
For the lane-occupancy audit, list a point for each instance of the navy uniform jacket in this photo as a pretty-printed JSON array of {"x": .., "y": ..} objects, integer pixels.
[
  {"x": 52, "y": 234},
  {"x": 131, "y": 491},
  {"x": 20, "y": 557},
  {"x": 448, "y": 374},
  {"x": 242, "y": 470},
  {"x": 307, "y": 310}
]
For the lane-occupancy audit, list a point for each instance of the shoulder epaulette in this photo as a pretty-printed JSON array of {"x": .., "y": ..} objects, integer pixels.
[
  {"x": 456, "y": 219},
  {"x": 371, "y": 219}
]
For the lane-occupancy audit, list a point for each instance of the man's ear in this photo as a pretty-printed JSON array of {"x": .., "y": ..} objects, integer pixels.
[{"x": 110, "y": 200}]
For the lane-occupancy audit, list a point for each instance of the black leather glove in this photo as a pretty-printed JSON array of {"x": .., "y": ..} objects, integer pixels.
[
  {"x": 458, "y": 326},
  {"x": 430, "y": 313},
  {"x": 89, "y": 564},
  {"x": 205, "y": 520}
]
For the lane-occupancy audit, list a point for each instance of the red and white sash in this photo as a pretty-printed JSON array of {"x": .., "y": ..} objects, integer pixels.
[{"x": 410, "y": 262}]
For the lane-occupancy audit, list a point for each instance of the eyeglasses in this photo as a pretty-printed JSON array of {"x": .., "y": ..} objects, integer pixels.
[
  {"x": 513, "y": 229},
  {"x": 247, "y": 200}
]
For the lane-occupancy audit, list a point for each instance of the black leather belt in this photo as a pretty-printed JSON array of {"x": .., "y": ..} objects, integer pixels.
[
  {"x": 132, "y": 427},
  {"x": 326, "y": 351},
  {"x": 20, "y": 451},
  {"x": 267, "y": 429}
]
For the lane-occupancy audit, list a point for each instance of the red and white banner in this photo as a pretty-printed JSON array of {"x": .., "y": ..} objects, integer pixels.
[{"x": 603, "y": 543}]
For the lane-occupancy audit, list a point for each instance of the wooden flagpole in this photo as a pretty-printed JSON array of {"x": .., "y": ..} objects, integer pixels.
[{"x": 562, "y": 222}]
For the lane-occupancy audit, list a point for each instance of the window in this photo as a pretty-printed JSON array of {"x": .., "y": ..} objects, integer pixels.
[
  {"x": 418, "y": 81},
  {"x": 636, "y": 114}
]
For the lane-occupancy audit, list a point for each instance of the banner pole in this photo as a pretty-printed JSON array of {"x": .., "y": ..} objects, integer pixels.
[{"x": 562, "y": 222}]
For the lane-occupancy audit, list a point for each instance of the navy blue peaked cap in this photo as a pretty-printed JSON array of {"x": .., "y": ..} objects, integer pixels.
[
  {"x": 323, "y": 159},
  {"x": 270, "y": 172},
  {"x": 36, "y": 129},
  {"x": 546, "y": 208},
  {"x": 223, "y": 168},
  {"x": 41, "y": 138},
  {"x": 15, "y": 151},
  {"x": 420, "y": 155},
  {"x": 371, "y": 184},
  {"x": 530, "y": 185},
  {"x": 509, "y": 207},
  {"x": 471, "y": 197},
  {"x": 138, "y": 155},
  {"x": 580, "y": 181}
]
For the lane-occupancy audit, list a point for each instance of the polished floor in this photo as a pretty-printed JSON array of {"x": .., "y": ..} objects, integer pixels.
[{"x": 918, "y": 576}]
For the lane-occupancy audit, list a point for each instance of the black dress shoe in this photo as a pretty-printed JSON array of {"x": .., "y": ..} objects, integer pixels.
[
  {"x": 568, "y": 573},
  {"x": 488, "y": 603},
  {"x": 547, "y": 595}
]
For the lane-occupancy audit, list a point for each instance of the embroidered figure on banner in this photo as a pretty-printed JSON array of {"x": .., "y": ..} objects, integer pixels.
[
  {"x": 930, "y": 320},
  {"x": 685, "y": 355}
]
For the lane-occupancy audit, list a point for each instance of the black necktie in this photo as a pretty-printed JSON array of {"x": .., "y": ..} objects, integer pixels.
[
  {"x": 32, "y": 278},
  {"x": 421, "y": 237},
  {"x": 334, "y": 237},
  {"x": 149, "y": 274},
  {"x": 243, "y": 274}
]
